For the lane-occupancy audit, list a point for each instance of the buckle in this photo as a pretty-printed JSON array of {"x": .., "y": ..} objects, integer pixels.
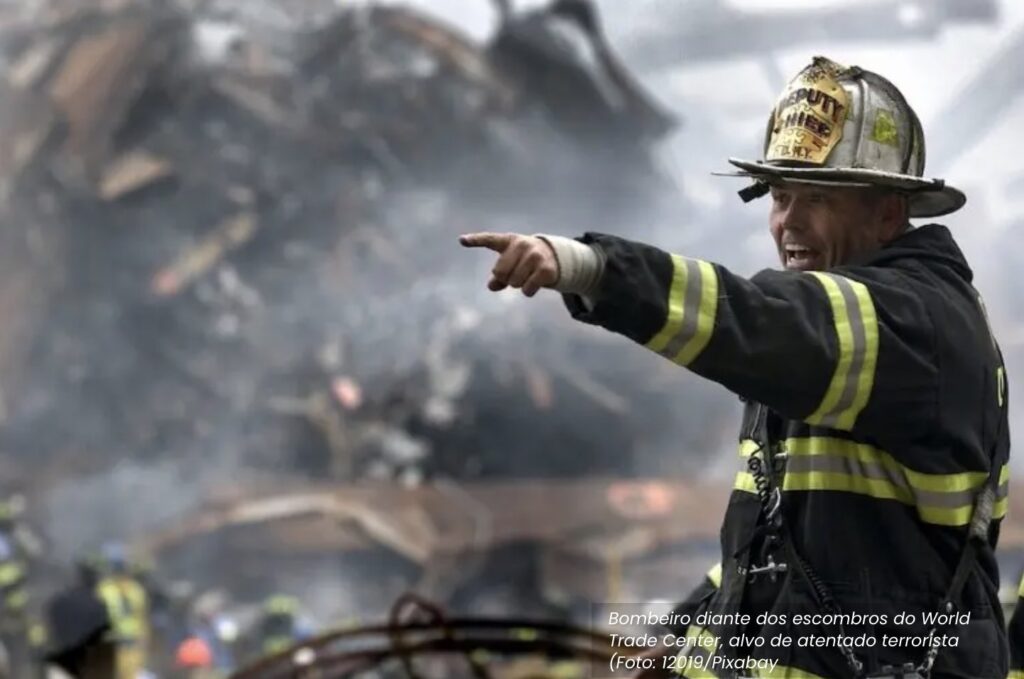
[{"x": 771, "y": 568}]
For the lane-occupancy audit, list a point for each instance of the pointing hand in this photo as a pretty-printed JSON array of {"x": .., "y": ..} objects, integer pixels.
[{"x": 526, "y": 262}]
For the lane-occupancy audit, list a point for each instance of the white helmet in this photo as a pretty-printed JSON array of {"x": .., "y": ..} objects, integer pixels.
[{"x": 843, "y": 125}]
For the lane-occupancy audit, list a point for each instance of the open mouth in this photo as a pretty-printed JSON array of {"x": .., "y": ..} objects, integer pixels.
[{"x": 800, "y": 257}]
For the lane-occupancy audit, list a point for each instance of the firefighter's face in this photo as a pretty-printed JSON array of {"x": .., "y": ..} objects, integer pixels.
[{"x": 818, "y": 227}]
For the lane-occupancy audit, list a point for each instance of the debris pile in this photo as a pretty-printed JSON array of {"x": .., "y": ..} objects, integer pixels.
[{"x": 238, "y": 247}]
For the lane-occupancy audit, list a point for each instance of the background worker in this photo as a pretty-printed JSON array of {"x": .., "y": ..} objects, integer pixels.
[
  {"x": 19, "y": 548},
  {"x": 128, "y": 609}
]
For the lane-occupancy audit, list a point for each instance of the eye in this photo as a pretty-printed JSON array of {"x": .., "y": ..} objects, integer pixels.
[
  {"x": 816, "y": 198},
  {"x": 780, "y": 196}
]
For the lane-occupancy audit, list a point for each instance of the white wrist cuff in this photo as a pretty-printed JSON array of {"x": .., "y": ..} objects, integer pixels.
[{"x": 580, "y": 266}]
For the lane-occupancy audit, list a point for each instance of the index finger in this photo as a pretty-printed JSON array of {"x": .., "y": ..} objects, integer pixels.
[{"x": 493, "y": 241}]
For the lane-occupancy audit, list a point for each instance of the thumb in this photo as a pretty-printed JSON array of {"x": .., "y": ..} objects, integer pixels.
[{"x": 498, "y": 242}]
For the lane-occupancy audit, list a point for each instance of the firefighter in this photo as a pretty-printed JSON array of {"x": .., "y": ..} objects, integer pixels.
[
  {"x": 872, "y": 473},
  {"x": 18, "y": 547},
  {"x": 163, "y": 629},
  {"x": 77, "y": 626},
  {"x": 128, "y": 608},
  {"x": 279, "y": 627}
]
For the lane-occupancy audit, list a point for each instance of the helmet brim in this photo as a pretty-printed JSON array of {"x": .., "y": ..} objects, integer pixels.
[{"x": 926, "y": 197}]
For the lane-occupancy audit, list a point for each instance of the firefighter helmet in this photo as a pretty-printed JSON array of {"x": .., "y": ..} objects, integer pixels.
[
  {"x": 844, "y": 125},
  {"x": 193, "y": 652}
]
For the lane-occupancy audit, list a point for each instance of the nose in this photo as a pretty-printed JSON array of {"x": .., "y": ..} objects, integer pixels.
[{"x": 792, "y": 217}]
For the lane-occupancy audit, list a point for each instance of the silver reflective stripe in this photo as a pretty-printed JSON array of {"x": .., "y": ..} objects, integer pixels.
[
  {"x": 856, "y": 327},
  {"x": 690, "y": 311},
  {"x": 879, "y": 472},
  {"x": 691, "y": 308},
  {"x": 831, "y": 464},
  {"x": 860, "y": 345}
]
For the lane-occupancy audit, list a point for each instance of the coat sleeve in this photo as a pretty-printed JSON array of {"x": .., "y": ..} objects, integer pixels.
[{"x": 838, "y": 349}]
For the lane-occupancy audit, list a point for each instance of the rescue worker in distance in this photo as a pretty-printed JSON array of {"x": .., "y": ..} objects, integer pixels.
[
  {"x": 872, "y": 474},
  {"x": 19, "y": 549},
  {"x": 280, "y": 626},
  {"x": 128, "y": 609}
]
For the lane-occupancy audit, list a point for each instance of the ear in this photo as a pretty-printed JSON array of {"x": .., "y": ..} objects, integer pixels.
[{"x": 893, "y": 212}]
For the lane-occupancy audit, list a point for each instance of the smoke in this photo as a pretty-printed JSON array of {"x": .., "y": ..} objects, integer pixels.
[
  {"x": 119, "y": 504},
  {"x": 355, "y": 270},
  {"x": 141, "y": 406}
]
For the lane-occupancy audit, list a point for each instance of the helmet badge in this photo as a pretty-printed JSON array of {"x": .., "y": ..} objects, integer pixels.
[{"x": 808, "y": 120}]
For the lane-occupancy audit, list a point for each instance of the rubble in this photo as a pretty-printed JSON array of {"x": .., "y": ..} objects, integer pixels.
[
  {"x": 229, "y": 251},
  {"x": 585, "y": 540},
  {"x": 232, "y": 233},
  {"x": 211, "y": 184},
  {"x": 131, "y": 172},
  {"x": 448, "y": 646}
]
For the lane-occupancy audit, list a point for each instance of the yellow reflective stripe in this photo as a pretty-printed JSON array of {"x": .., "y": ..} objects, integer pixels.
[
  {"x": 1020, "y": 588},
  {"x": 744, "y": 482},
  {"x": 1015, "y": 674},
  {"x": 939, "y": 483},
  {"x": 847, "y": 483},
  {"x": 821, "y": 463},
  {"x": 943, "y": 499},
  {"x": 866, "y": 378},
  {"x": 705, "y": 315},
  {"x": 692, "y": 306},
  {"x": 845, "y": 336},
  {"x": 10, "y": 573},
  {"x": 126, "y": 605},
  {"x": 747, "y": 447},
  {"x": 675, "y": 307},
  {"x": 856, "y": 326},
  {"x": 999, "y": 512},
  {"x": 16, "y": 599},
  {"x": 1003, "y": 493},
  {"x": 715, "y": 575},
  {"x": 275, "y": 645},
  {"x": 37, "y": 636},
  {"x": 827, "y": 445},
  {"x": 958, "y": 516},
  {"x": 946, "y": 483}
]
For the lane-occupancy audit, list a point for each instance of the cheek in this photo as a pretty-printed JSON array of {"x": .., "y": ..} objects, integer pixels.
[
  {"x": 858, "y": 238},
  {"x": 824, "y": 235},
  {"x": 775, "y": 229}
]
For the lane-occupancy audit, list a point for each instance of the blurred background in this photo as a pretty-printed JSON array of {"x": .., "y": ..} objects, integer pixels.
[{"x": 243, "y": 357}]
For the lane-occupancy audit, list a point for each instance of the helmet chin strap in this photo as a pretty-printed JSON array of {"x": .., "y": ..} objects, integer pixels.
[{"x": 754, "y": 191}]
